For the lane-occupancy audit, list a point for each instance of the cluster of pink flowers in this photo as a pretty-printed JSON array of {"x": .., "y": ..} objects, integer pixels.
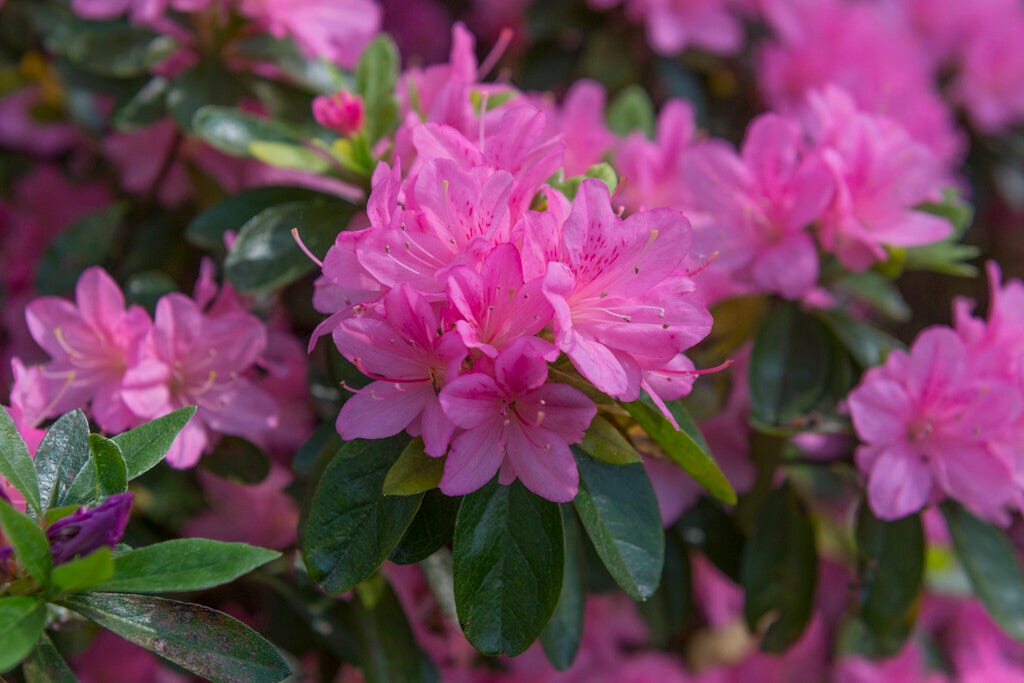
[
  {"x": 674, "y": 25},
  {"x": 128, "y": 368},
  {"x": 946, "y": 419}
]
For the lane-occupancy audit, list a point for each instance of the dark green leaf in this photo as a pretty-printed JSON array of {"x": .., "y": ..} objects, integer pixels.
[
  {"x": 111, "y": 470},
  {"x": 632, "y": 110},
  {"x": 62, "y": 455},
  {"x": 992, "y": 565},
  {"x": 184, "y": 564},
  {"x": 708, "y": 528},
  {"x": 146, "y": 445},
  {"x": 352, "y": 526},
  {"x": 46, "y": 665},
  {"x": 508, "y": 553},
  {"x": 780, "y": 570},
  {"x": 892, "y": 561},
  {"x": 878, "y": 291},
  {"x": 606, "y": 443},
  {"x": 119, "y": 50},
  {"x": 22, "y": 620},
  {"x": 86, "y": 242},
  {"x": 667, "y": 610},
  {"x": 199, "y": 639},
  {"x": 561, "y": 637},
  {"x": 84, "y": 572},
  {"x": 265, "y": 256},
  {"x": 239, "y": 460},
  {"x": 233, "y": 131},
  {"x": 205, "y": 84},
  {"x": 208, "y": 228},
  {"x": 790, "y": 366},
  {"x": 619, "y": 510},
  {"x": 376, "y": 76},
  {"x": 430, "y": 530},
  {"x": 29, "y": 543},
  {"x": 16, "y": 463},
  {"x": 414, "y": 471},
  {"x": 684, "y": 450},
  {"x": 868, "y": 345},
  {"x": 145, "y": 108},
  {"x": 317, "y": 75},
  {"x": 148, "y": 287}
]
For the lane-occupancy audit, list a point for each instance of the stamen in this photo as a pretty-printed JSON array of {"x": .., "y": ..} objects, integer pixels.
[
  {"x": 500, "y": 45},
  {"x": 305, "y": 249}
]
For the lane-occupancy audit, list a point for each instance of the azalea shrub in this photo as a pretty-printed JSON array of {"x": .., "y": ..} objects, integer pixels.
[{"x": 567, "y": 341}]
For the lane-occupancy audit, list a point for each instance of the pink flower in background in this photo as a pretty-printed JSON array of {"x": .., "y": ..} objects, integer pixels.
[
  {"x": 991, "y": 73},
  {"x": 581, "y": 122},
  {"x": 261, "y": 514},
  {"x": 997, "y": 345},
  {"x": 516, "y": 423},
  {"x": 674, "y": 25},
  {"x": 111, "y": 659},
  {"x": 139, "y": 10},
  {"x": 19, "y": 129},
  {"x": 650, "y": 169},
  {"x": 909, "y": 665}
]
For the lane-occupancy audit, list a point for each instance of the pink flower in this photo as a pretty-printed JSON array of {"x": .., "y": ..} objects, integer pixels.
[
  {"x": 619, "y": 293},
  {"x": 674, "y": 25},
  {"x": 342, "y": 112},
  {"x": 91, "y": 344},
  {"x": 988, "y": 84},
  {"x": 908, "y": 665},
  {"x": 581, "y": 122},
  {"x": 262, "y": 514},
  {"x": 514, "y": 423},
  {"x": 651, "y": 170},
  {"x": 932, "y": 427},
  {"x": 404, "y": 351}
]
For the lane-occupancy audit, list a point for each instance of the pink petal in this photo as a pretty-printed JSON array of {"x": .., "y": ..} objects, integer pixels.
[
  {"x": 381, "y": 409},
  {"x": 473, "y": 459},
  {"x": 543, "y": 462},
  {"x": 900, "y": 482},
  {"x": 471, "y": 400}
]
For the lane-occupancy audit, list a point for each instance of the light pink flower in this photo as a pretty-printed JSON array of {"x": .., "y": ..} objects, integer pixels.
[{"x": 514, "y": 423}]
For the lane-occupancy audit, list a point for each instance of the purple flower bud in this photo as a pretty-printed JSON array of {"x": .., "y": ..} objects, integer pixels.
[
  {"x": 81, "y": 533},
  {"x": 342, "y": 112}
]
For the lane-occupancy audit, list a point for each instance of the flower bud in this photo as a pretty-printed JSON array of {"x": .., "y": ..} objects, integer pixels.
[
  {"x": 79, "y": 534},
  {"x": 342, "y": 112}
]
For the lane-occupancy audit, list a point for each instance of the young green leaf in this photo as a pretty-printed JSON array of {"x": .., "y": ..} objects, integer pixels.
[
  {"x": 16, "y": 463},
  {"x": 29, "y": 543},
  {"x": 147, "y": 444},
  {"x": 199, "y": 639},
  {"x": 61, "y": 457},
  {"x": 606, "y": 443},
  {"x": 184, "y": 564},
  {"x": 508, "y": 554},
  {"x": 22, "y": 620},
  {"x": 619, "y": 511},
  {"x": 352, "y": 526},
  {"x": 111, "y": 469},
  {"x": 376, "y": 76},
  {"x": 46, "y": 665},
  {"x": 562, "y": 636},
  {"x": 287, "y": 155},
  {"x": 992, "y": 565},
  {"x": 84, "y": 572},
  {"x": 632, "y": 110},
  {"x": 414, "y": 471}
]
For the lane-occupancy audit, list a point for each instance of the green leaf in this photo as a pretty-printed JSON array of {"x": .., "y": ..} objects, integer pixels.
[
  {"x": 667, "y": 610},
  {"x": 111, "y": 470},
  {"x": 61, "y": 457},
  {"x": 780, "y": 570},
  {"x": 376, "y": 77},
  {"x": 632, "y": 110},
  {"x": 206, "y": 84},
  {"x": 992, "y": 565},
  {"x": 604, "y": 442},
  {"x": 145, "y": 108},
  {"x": 681, "y": 447},
  {"x": 84, "y": 572},
  {"x": 706, "y": 527},
  {"x": 352, "y": 526},
  {"x": 147, "y": 444},
  {"x": 877, "y": 291},
  {"x": 508, "y": 554},
  {"x": 892, "y": 563},
  {"x": 199, "y": 639},
  {"x": 238, "y": 460},
  {"x": 46, "y": 665},
  {"x": 207, "y": 229},
  {"x": 790, "y": 367},
  {"x": 29, "y": 543},
  {"x": 943, "y": 257},
  {"x": 232, "y": 131},
  {"x": 265, "y": 256},
  {"x": 286, "y": 155},
  {"x": 431, "y": 528},
  {"x": 148, "y": 287},
  {"x": 16, "y": 463},
  {"x": 561, "y": 637},
  {"x": 118, "y": 50},
  {"x": 953, "y": 208},
  {"x": 414, "y": 471},
  {"x": 86, "y": 242},
  {"x": 619, "y": 510},
  {"x": 184, "y": 564},
  {"x": 22, "y": 620},
  {"x": 387, "y": 649},
  {"x": 868, "y": 345}
]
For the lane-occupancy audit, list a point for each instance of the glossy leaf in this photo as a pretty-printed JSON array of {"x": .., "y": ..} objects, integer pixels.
[
  {"x": 265, "y": 256},
  {"x": 992, "y": 565},
  {"x": 604, "y": 442},
  {"x": 414, "y": 471},
  {"x": 147, "y": 444},
  {"x": 431, "y": 529},
  {"x": 111, "y": 470},
  {"x": 238, "y": 460},
  {"x": 29, "y": 543},
  {"x": 681, "y": 447},
  {"x": 562, "y": 636},
  {"x": 86, "y": 242},
  {"x": 233, "y": 131},
  {"x": 184, "y": 564},
  {"x": 206, "y": 84},
  {"x": 779, "y": 572},
  {"x": 508, "y": 553},
  {"x": 619, "y": 511},
  {"x": 201, "y": 640},
  {"x": 84, "y": 572},
  {"x": 707, "y": 527},
  {"x": 352, "y": 526},
  {"x": 145, "y": 108},
  {"x": 376, "y": 76},
  {"x": 46, "y": 665},
  {"x": 288, "y": 155},
  {"x": 16, "y": 462},
  {"x": 22, "y": 620},
  {"x": 119, "y": 50},
  {"x": 868, "y": 345},
  {"x": 63, "y": 455}
]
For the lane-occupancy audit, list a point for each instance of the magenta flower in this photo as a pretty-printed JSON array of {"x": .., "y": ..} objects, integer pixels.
[
  {"x": 342, "y": 112},
  {"x": 89, "y": 529},
  {"x": 619, "y": 293},
  {"x": 651, "y": 170},
  {"x": 515, "y": 424}
]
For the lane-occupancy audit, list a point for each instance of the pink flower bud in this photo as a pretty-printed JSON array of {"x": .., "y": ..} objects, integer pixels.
[{"x": 341, "y": 112}]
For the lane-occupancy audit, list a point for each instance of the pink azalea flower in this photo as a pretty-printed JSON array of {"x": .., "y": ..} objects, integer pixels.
[
  {"x": 91, "y": 343},
  {"x": 619, "y": 294},
  {"x": 581, "y": 123},
  {"x": 932, "y": 427},
  {"x": 514, "y": 423},
  {"x": 674, "y": 25},
  {"x": 192, "y": 358},
  {"x": 139, "y": 10},
  {"x": 404, "y": 351},
  {"x": 19, "y": 130},
  {"x": 262, "y": 514},
  {"x": 908, "y": 665},
  {"x": 650, "y": 169},
  {"x": 991, "y": 72},
  {"x": 997, "y": 345}
]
